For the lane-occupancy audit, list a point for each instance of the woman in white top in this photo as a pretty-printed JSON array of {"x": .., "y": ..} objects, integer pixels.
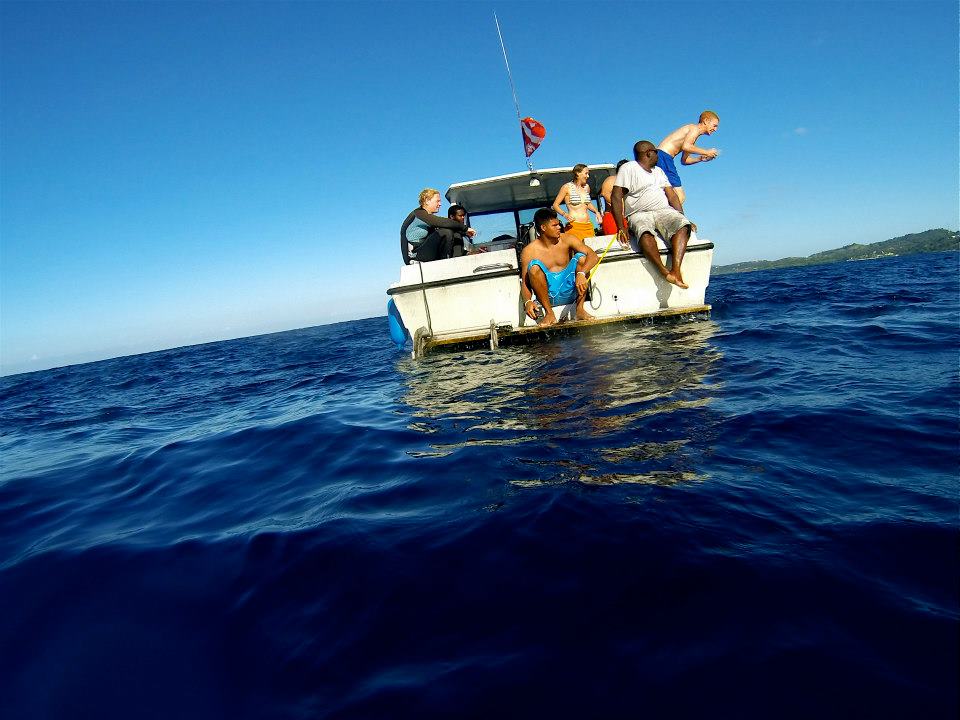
[{"x": 576, "y": 195}]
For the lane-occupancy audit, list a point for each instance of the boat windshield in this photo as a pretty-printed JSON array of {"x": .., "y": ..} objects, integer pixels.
[
  {"x": 493, "y": 225},
  {"x": 527, "y": 215}
]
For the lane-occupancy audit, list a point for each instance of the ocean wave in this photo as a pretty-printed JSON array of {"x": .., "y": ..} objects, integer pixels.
[{"x": 313, "y": 524}]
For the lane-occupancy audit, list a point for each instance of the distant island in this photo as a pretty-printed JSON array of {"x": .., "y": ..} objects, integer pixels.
[{"x": 929, "y": 241}]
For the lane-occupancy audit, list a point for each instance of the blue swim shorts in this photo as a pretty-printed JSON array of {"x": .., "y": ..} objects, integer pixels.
[
  {"x": 665, "y": 163},
  {"x": 562, "y": 285}
]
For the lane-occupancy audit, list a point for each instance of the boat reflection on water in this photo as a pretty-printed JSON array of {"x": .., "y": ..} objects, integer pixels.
[{"x": 619, "y": 404}]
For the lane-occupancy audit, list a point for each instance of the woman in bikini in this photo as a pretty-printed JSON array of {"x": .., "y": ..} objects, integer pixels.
[{"x": 576, "y": 195}]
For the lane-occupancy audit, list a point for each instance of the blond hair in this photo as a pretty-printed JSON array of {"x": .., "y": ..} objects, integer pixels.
[
  {"x": 426, "y": 194},
  {"x": 709, "y": 115}
]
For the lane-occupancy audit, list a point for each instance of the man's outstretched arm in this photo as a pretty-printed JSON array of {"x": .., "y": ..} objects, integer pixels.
[
  {"x": 690, "y": 147},
  {"x": 688, "y": 159}
]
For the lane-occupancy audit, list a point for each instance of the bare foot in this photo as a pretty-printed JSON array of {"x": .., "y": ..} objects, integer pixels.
[
  {"x": 674, "y": 280},
  {"x": 583, "y": 314},
  {"x": 548, "y": 319}
]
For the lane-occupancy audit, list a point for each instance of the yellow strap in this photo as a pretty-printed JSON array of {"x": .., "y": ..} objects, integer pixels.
[{"x": 590, "y": 276}]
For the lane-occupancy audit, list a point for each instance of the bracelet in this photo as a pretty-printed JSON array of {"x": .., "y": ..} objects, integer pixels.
[
  {"x": 530, "y": 300},
  {"x": 581, "y": 272}
]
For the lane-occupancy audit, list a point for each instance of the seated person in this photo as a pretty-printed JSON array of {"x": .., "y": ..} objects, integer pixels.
[
  {"x": 643, "y": 203},
  {"x": 554, "y": 267},
  {"x": 459, "y": 214},
  {"x": 609, "y": 224},
  {"x": 424, "y": 235}
]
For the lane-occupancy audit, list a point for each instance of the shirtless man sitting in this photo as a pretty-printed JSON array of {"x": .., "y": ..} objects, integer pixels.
[
  {"x": 684, "y": 140},
  {"x": 642, "y": 203},
  {"x": 554, "y": 267}
]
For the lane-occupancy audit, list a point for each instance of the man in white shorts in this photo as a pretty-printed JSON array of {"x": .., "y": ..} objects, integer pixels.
[{"x": 644, "y": 203}]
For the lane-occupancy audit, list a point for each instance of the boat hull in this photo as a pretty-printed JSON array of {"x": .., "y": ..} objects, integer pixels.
[{"x": 453, "y": 301}]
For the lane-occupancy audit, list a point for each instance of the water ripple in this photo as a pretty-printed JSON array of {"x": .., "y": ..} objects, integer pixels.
[{"x": 310, "y": 524}]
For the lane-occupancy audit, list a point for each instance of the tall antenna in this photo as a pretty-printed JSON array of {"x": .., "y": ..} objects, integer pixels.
[{"x": 513, "y": 89}]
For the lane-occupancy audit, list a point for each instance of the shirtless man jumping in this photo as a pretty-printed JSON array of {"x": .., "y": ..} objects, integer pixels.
[
  {"x": 554, "y": 267},
  {"x": 684, "y": 139}
]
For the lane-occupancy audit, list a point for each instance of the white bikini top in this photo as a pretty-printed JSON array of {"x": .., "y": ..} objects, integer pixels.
[{"x": 578, "y": 196}]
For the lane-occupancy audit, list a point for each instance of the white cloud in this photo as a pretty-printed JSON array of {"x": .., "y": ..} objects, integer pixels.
[{"x": 800, "y": 131}]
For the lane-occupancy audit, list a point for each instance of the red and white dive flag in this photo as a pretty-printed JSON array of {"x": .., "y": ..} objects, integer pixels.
[{"x": 533, "y": 134}]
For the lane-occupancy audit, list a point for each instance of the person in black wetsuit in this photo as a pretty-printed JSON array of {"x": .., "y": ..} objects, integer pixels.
[{"x": 430, "y": 235}]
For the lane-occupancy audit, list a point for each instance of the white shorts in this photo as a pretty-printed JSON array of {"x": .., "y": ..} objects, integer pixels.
[{"x": 666, "y": 221}]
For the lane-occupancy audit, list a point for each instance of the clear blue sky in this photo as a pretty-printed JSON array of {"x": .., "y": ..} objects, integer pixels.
[{"x": 173, "y": 173}]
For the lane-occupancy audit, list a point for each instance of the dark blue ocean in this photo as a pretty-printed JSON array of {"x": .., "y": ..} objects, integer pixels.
[{"x": 753, "y": 515}]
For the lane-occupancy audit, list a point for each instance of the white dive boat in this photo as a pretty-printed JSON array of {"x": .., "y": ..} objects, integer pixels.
[{"x": 475, "y": 299}]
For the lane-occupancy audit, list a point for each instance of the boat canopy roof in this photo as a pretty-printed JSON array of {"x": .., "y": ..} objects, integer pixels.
[{"x": 505, "y": 193}]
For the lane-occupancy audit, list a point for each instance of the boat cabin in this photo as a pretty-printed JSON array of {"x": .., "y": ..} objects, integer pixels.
[{"x": 501, "y": 208}]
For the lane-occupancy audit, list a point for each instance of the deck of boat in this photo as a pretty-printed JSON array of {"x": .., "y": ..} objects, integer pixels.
[{"x": 506, "y": 335}]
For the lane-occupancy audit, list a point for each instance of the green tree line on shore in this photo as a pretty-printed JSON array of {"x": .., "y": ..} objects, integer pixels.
[{"x": 937, "y": 240}]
